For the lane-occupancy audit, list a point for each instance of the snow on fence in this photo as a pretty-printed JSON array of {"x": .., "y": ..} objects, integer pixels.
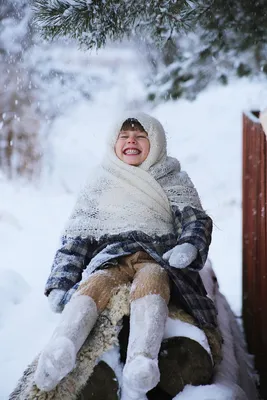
[{"x": 255, "y": 242}]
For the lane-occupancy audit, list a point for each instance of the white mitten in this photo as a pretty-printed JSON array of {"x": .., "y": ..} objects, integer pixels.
[
  {"x": 55, "y": 297},
  {"x": 181, "y": 255}
]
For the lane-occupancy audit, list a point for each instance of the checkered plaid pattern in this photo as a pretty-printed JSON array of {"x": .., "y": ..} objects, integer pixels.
[{"x": 192, "y": 226}]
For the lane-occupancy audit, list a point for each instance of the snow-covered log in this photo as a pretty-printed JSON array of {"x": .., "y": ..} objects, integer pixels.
[
  {"x": 234, "y": 378},
  {"x": 187, "y": 358}
]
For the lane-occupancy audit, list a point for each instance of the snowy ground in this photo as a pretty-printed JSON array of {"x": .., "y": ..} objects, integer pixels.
[{"x": 204, "y": 135}]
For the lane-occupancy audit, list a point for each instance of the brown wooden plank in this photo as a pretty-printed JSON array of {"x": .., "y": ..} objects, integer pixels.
[{"x": 254, "y": 243}]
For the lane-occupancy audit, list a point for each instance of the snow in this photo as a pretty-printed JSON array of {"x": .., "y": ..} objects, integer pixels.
[
  {"x": 205, "y": 135},
  {"x": 8, "y": 298},
  {"x": 112, "y": 358},
  {"x": 181, "y": 328},
  {"x": 211, "y": 392},
  {"x": 263, "y": 119}
]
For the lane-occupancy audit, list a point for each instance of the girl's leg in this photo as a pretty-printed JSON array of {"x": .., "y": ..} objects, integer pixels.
[
  {"x": 59, "y": 355},
  {"x": 149, "y": 310},
  {"x": 77, "y": 319}
]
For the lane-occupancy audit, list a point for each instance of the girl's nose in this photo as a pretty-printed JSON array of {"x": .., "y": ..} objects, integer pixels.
[{"x": 131, "y": 140}]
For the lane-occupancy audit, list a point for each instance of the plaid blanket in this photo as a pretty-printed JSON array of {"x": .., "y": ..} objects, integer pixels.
[{"x": 79, "y": 255}]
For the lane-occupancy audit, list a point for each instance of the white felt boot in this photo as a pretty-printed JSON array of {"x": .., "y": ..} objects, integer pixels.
[
  {"x": 59, "y": 355},
  {"x": 147, "y": 322}
]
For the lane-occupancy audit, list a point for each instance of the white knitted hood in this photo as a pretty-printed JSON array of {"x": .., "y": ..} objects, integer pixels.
[{"x": 156, "y": 135}]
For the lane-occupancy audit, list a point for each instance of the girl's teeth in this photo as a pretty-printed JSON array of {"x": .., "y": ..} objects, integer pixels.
[{"x": 132, "y": 152}]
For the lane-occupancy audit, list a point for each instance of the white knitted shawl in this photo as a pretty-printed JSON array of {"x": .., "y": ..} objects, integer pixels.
[{"x": 119, "y": 197}]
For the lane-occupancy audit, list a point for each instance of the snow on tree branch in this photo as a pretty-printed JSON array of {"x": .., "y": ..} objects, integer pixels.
[{"x": 93, "y": 22}]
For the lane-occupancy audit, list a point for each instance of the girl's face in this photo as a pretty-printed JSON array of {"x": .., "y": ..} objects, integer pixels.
[{"x": 132, "y": 147}]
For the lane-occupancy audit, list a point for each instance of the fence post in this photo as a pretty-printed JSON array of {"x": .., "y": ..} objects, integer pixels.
[{"x": 255, "y": 242}]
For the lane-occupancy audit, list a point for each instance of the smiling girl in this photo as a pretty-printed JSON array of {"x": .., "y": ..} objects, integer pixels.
[{"x": 138, "y": 221}]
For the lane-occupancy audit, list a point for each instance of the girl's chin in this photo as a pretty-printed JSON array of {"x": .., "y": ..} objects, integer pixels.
[
  {"x": 132, "y": 160},
  {"x": 134, "y": 164}
]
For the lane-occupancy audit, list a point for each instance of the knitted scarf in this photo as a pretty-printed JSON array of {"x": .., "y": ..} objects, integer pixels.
[{"x": 120, "y": 197}]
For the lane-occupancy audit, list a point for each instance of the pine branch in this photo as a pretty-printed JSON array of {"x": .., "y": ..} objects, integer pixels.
[
  {"x": 61, "y": 17},
  {"x": 92, "y": 22}
]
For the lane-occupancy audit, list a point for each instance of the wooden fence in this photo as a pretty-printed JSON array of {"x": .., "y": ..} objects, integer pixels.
[{"x": 255, "y": 243}]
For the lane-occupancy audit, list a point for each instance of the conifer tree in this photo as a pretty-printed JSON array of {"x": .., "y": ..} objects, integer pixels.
[
  {"x": 92, "y": 22},
  {"x": 195, "y": 42}
]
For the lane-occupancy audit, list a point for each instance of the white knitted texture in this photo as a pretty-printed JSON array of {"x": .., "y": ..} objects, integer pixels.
[{"x": 121, "y": 198}]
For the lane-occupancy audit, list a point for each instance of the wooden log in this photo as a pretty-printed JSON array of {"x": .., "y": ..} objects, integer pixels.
[
  {"x": 182, "y": 361},
  {"x": 102, "y": 385}
]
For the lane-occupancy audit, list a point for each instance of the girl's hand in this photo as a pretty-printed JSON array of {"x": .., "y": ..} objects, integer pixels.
[
  {"x": 181, "y": 255},
  {"x": 55, "y": 298}
]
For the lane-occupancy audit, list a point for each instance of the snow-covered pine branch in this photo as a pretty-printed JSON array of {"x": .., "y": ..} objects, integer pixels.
[
  {"x": 93, "y": 22},
  {"x": 189, "y": 43}
]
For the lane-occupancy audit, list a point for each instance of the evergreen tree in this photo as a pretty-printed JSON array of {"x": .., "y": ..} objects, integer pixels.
[
  {"x": 195, "y": 42},
  {"x": 187, "y": 64},
  {"x": 92, "y": 22}
]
